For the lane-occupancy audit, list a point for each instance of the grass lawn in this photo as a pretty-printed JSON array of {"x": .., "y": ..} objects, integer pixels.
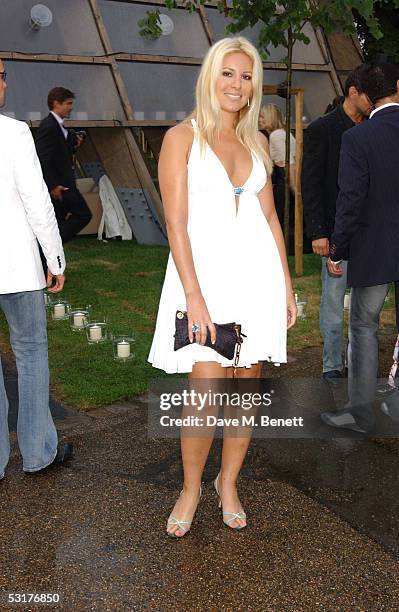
[{"x": 123, "y": 281}]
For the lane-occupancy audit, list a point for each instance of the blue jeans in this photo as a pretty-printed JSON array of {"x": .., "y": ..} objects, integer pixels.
[
  {"x": 366, "y": 306},
  {"x": 37, "y": 437},
  {"x": 332, "y": 316}
]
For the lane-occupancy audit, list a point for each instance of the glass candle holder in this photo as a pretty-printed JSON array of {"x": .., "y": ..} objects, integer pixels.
[
  {"x": 123, "y": 347},
  {"x": 301, "y": 310},
  {"x": 96, "y": 331},
  {"x": 59, "y": 309},
  {"x": 79, "y": 318},
  {"x": 49, "y": 298}
]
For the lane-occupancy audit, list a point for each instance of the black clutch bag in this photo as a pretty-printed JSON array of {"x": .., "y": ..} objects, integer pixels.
[{"x": 228, "y": 337}]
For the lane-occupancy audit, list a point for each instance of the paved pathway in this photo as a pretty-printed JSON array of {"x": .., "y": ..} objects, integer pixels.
[
  {"x": 58, "y": 411},
  {"x": 322, "y": 535}
]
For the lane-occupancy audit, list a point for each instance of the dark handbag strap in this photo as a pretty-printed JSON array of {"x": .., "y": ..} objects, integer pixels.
[{"x": 240, "y": 336}]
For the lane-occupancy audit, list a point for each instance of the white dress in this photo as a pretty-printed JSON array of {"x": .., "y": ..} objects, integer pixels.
[{"x": 238, "y": 268}]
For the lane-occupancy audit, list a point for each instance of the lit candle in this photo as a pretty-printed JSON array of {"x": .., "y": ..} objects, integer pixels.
[
  {"x": 59, "y": 311},
  {"x": 301, "y": 309},
  {"x": 123, "y": 349},
  {"x": 79, "y": 319},
  {"x": 95, "y": 332}
]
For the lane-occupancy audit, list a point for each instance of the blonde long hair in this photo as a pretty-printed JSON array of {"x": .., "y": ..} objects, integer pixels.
[
  {"x": 207, "y": 111},
  {"x": 272, "y": 117}
]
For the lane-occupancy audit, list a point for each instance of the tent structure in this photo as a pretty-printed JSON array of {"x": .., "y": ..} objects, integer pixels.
[{"x": 129, "y": 90}]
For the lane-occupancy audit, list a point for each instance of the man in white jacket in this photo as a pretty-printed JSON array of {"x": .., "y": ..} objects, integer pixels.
[{"x": 27, "y": 216}]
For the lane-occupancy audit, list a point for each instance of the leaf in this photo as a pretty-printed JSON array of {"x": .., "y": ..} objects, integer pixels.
[{"x": 149, "y": 26}]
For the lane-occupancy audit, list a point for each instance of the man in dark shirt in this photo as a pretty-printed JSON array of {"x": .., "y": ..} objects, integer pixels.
[
  {"x": 322, "y": 144},
  {"x": 55, "y": 146}
]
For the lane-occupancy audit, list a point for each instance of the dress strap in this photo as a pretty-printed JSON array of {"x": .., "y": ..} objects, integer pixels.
[{"x": 195, "y": 130}]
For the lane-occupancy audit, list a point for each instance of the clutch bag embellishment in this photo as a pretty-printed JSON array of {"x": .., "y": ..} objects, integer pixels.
[{"x": 228, "y": 337}]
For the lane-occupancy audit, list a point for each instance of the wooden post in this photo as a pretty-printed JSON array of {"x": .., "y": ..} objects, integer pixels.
[
  {"x": 327, "y": 58},
  {"x": 142, "y": 171},
  {"x": 298, "y": 190},
  {"x": 299, "y": 94},
  {"x": 205, "y": 22},
  {"x": 112, "y": 59},
  {"x": 135, "y": 153},
  {"x": 120, "y": 86}
]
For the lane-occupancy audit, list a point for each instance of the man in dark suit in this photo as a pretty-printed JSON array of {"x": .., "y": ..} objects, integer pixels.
[
  {"x": 322, "y": 144},
  {"x": 366, "y": 234},
  {"x": 55, "y": 147}
]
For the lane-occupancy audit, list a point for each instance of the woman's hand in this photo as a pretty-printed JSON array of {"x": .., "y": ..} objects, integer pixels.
[
  {"x": 197, "y": 314},
  {"x": 291, "y": 309}
]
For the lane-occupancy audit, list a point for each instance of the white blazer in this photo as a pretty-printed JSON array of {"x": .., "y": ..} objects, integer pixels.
[{"x": 26, "y": 213}]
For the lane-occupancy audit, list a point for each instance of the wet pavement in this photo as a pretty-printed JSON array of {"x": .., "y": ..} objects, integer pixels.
[{"x": 322, "y": 534}]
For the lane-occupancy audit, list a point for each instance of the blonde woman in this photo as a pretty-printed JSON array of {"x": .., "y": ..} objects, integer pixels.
[
  {"x": 221, "y": 223},
  {"x": 271, "y": 120}
]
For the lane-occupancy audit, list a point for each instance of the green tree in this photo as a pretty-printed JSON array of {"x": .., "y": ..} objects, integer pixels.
[
  {"x": 387, "y": 13},
  {"x": 282, "y": 23}
]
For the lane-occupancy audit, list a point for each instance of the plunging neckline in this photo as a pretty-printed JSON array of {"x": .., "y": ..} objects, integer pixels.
[
  {"x": 241, "y": 187},
  {"x": 227, "y": 175}
]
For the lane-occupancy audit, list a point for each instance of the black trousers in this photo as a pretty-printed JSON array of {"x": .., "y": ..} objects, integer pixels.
[
  {"x": 278, "y": 180},
  {"x": 72, "y": 214}
]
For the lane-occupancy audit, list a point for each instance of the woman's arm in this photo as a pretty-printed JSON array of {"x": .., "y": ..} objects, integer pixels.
[
  {"x": 267, "y": 204},
  {"x": 172, "y": 172}
]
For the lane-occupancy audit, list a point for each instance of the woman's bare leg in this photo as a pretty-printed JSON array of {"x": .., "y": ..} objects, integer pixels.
[
  {"x": 194, "y": 452},
  {"x": 233, "y": 455}
]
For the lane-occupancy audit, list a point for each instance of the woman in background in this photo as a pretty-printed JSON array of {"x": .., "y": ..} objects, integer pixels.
[{"x": 271, "y": 120}]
